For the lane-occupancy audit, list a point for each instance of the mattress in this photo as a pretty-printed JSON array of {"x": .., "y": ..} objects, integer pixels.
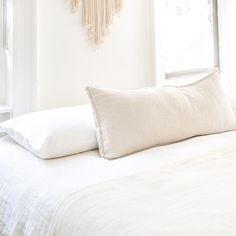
[{"x": 39, "y": 197}]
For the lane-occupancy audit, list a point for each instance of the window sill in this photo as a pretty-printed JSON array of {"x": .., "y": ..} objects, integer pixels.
[
  {"x": 184, "y": 80},
  {"x": 5, "y": 109}
]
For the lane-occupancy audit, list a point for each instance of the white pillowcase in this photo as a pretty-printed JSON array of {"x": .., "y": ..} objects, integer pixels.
[
  {"x": 132, "y": 120},
  {"x": 54, "y": 133}
]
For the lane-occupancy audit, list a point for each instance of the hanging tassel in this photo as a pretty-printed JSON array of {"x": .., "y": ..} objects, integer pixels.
[
  {"x": 97, "y": 15},
  {"x": 75, "y": 4}
]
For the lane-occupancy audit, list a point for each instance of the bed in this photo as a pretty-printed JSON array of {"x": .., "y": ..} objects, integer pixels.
[{"x": 186, "y": 188}]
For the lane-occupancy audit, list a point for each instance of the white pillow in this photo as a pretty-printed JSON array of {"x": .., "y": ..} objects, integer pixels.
[
  {"x": 131, "y": 120},
  {"x": 233, "y": 103},
  {"x": 54, "y": 133}
]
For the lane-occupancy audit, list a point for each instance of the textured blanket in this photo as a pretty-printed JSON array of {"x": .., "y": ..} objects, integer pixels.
[{"x": 194, "y": 196}]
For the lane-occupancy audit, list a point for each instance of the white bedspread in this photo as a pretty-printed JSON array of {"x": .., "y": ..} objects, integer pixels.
[{"x": 188, "y": 188}]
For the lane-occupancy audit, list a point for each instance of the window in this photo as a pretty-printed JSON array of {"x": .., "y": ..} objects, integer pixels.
[
  {"x": 191, "y": 37},
  {"x": 5, "y": 53},
  {"x": 227, "y": 18}
]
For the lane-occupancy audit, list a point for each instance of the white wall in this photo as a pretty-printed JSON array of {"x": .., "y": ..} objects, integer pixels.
[
  {"x": 67, "y": 63},
  {"x": 24, "y": 86}
]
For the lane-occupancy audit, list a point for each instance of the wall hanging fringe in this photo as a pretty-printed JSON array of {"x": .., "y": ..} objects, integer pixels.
[{"x": 97, "y": 15}]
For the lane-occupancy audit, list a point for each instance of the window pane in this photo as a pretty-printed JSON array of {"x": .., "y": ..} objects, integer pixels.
[
  {"x": 6, "y": 22},
  {"x": 2, "y": 59},
  {"x": 228, "y": 39},
  {"x": 189, "y": 35}
]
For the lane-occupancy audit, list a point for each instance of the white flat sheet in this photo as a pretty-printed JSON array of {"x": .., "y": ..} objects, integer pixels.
[
  {"x": 32, "y": 189},
  {"x": 195, "y": 196}
]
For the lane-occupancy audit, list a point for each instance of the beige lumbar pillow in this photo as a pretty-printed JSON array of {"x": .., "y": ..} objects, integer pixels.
[
  {"x": 233, "y": 103},
  {"x": 132, "y": 120}
]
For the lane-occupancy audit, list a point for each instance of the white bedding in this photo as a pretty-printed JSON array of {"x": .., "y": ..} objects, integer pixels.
[{"x": 189, "y": 189}]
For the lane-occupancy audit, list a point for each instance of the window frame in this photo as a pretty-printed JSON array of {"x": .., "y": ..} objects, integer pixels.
[
  {"x": 196, "y": 71},
  {"x": 6, "y": 45}
]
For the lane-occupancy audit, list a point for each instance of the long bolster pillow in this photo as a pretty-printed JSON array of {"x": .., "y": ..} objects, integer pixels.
[{"x": 128, "y": 121}]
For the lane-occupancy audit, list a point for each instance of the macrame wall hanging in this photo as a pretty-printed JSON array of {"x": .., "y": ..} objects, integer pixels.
[{"x": 97, "y": 16}]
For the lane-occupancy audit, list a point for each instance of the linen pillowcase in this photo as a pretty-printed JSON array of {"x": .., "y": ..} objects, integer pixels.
[
  {"x": 233, "y": 103},
  {"x": 128, "y": 121},
  {"x": 54, "y": 133}
]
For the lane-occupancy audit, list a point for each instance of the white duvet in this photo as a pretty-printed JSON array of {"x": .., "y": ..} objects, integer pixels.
[{"x": 188, "y": 188}]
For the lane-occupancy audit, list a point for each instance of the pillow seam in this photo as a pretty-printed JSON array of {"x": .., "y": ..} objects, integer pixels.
[{"x": 98, "y": 121}]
